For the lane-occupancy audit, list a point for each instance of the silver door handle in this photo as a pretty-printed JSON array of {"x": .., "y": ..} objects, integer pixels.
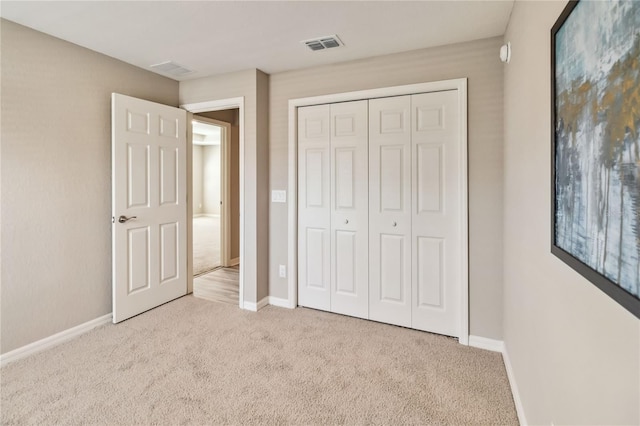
[
  {"x": 394, "y": 224},
  {"x": 123, "y": 219},
  {"x": 346, "y": 221}
]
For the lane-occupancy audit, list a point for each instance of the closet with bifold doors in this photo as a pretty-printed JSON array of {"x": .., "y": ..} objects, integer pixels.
[{"x": 381, "y": 199}]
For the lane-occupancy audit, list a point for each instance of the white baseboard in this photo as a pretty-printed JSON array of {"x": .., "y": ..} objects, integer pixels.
[
  {"x": 485, "y": 343},
  {"x": 499, "y": 346},
  {"x": 255, "y": 307},
  {"x": 234, "y": 262},
  {"x": 269, "y": 300},
  {"x": 51, "y": 341},
  {"x": 281, "y": 303},
  {"x": 514, "y": 388}
]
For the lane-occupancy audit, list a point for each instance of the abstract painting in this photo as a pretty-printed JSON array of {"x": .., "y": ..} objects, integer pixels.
[{"x": 595, "y": 107}]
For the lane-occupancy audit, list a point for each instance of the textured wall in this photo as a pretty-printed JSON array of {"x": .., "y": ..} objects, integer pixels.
[
  {"x": 56, "y": 180},
  {"x": 262, "y": 164},
  {"x": 575, "y": 352},
  {"x": 210, "y": 179},
  {"x": 234, "y": 196},
  {"x": 197, "y": 192},
  {"x": 478, "y": 61}
]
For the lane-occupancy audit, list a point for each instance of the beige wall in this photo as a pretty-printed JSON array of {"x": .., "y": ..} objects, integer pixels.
[
  {"x": 234, "y": 194},
  {"x": 197, "y": 191},
  {"x": 262, "y": 164},
  {"x": 249, "y": 85},
  {"x": 478, "y": 61},
  {"x": 227, "y": 115},
  {"x": 575, "y": 352},
  {"x": 210, "y": 179},
  {"x": 56, "y": 180}
]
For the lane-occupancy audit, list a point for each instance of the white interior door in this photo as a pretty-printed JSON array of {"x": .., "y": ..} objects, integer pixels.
[
  {"x": 314, "y": 215},
  {"x": 149, "y": 205},
  {"x": 437, "y": 210},
  {"x": 390, "y": 210},
  {"x": 349, "y": 209}
]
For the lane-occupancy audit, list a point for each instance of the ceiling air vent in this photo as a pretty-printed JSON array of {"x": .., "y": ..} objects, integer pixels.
[
  {"x": 171, "y": 68},
  {"x": 322, "y": 43}
]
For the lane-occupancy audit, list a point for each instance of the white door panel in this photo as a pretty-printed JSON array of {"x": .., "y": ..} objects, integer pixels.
[
  {"x": 314, "y": 216},
  {"x": 349, "y": 208},
  {"x": 169, "y": 251},
  {"x": 436, "y": 217},
  {"x": 390, "y": 210},
  {"x": 149, "y": 183}
]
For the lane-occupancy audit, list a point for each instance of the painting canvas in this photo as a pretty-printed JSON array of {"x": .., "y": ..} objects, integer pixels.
[{"x": 596, "y": 150}]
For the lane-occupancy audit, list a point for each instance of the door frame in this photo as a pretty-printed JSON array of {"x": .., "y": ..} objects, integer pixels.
[
  {"x": 460, "y": 85},
  {"x": 208, "y": 106},
  {"x": 224, "y": 182}
]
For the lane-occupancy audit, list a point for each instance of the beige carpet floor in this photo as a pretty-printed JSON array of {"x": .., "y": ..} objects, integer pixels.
[
  {"x": 197, "y": 362},
  {"x": 206, "y": 244}
]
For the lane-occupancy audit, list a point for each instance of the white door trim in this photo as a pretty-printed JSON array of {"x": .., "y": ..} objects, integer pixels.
[
  {"x": 460, "y": 85},
  {"x": 224, "y": 184},
  {"x": 217, "y": 105}
]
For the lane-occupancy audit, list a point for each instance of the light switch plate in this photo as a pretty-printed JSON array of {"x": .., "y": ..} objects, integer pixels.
[
  {"x": 278, "y": 196},
  {"x": 282, "y": 271}
]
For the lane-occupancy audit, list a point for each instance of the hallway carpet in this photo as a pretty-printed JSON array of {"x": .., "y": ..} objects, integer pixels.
[
  {"x": 206, "y": 244},
  {"x": 191, "y": 361}
]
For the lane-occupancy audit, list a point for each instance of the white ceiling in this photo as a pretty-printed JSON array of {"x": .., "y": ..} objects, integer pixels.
[{"x": 215, "y": 37}]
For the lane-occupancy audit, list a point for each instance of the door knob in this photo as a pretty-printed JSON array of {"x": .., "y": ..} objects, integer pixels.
[
  {"x": 346, "y": 221},
  {"x": 394, "y": 224},
  {"x": 123, "y": 219}
]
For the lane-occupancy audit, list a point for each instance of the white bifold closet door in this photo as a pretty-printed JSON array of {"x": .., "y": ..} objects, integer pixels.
[
  {"x": 436, "y": 212},
  {"x": 414, "y": 211},
  {"x": 314, "y": 214},
  {"x": 333, "y": 208},
  {"x": 390, "y": 210},
  {"x": 380, "y": 210},
  {"x": 349, "y": 209}
]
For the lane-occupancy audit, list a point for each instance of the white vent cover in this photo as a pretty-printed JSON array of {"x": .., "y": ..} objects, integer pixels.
[
  {"x": 171, "y": 68},
  {"x": 322, "y": 43}
]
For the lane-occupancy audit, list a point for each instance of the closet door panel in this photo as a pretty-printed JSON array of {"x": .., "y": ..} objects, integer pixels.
[
  {"x": 390, "y": 210},
  {"x": 314, "y": 214},
  {"x": 349, "y": 205},
  {"x": 392, "y": 275},
  {"x": 436, "y": 245}
]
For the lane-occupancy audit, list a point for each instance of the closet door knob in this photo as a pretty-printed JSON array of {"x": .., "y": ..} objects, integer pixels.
[
  {"x": 394, "y": 224},
  {"x": 346, "y": 221}
]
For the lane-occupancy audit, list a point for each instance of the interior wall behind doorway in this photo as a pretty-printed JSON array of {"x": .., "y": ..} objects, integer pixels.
[
  {"x": 198, "y": 205},
  {"x": 230, "y": 116},
  {"x": 206, "y": 180},
  {"x": 211, "y": 174}
]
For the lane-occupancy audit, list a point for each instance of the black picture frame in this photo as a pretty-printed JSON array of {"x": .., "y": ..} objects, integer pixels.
[{"x": 560, "y": 128}]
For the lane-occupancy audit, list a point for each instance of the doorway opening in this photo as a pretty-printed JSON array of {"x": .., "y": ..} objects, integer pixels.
[
  {"x": 207, "y": 193},
  {"x": 215, "y": 206}
]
